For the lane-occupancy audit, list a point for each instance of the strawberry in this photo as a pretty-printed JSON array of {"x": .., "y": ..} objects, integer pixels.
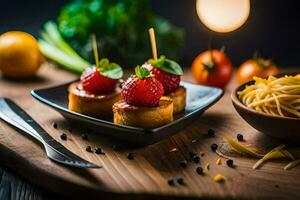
[
  {"x": 169, "y": 81},
  {"x": 94, "y": 82},
  {"x": 142, "y": 89}
]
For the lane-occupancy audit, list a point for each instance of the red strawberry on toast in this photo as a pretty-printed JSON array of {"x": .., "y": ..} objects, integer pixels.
[
  {"x": 143, "y": 104},
  {"x": 96, "y": 92}
]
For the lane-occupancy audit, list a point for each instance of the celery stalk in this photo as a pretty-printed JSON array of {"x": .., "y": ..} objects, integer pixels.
[
  {"x": 62, "y": 58},
  {"x": 55, "y": 48},
  {"x": 53, "y": 34}
]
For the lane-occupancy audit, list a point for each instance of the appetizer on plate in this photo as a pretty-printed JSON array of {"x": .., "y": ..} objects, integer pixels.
[
  {"x": 143, "y": 104},
  {"x": 97, "y": 90},
  {"x": 169, "y": 73}
]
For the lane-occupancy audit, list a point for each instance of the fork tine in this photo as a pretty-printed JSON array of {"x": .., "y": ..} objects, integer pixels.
[{"x": 70, "y": 159}]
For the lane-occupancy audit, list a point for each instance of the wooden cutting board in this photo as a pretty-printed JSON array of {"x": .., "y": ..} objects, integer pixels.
[{"x": 144, "y": 177}]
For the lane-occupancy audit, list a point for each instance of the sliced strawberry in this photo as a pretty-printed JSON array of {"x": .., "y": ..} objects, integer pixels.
[
  {"x": 142, "y": 91},
  {"x": 169, "y": 81},
  {"x": 95, "y": 83}
]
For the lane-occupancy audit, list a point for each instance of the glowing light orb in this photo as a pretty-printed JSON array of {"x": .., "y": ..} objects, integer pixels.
[{"x": 223, "y": 15}]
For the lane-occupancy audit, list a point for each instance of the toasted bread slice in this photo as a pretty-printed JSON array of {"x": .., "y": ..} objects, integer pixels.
[
  {"x": 179, "y": 99},
  {"x": 89, "y": 104},
  {"x": 145, "y": 117}
]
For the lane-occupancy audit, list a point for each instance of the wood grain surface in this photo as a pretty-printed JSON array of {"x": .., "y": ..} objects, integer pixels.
[
  {"x": 13, "y": 187},
  {"x": 144, "y": 177}
]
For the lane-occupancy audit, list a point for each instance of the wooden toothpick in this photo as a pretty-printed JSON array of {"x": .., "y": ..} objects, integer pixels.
[
  {"x": 153, "y": 42},
  {"x": 95, "y": 49}
]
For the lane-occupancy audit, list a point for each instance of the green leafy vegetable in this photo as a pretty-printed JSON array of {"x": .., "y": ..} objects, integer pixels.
[
  {"x": 121, "y": 26},
  {"x": 142, "y": 72},
  {"x": 166, "y": 65}
]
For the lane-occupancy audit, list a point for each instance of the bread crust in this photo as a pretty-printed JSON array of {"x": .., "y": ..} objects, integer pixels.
[
  {"x": 90, "y": 104},
  {"x": 144, "y": 117},
  {"x": 179, "y": 99}
]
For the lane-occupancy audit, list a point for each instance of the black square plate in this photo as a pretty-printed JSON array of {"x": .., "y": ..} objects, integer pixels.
[{"x": 199, "y": 98}]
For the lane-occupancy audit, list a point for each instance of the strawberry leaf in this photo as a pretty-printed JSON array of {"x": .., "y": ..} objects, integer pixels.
[
  {"x": 166, "y": 65},
  {"x": 110, "y": 70},
  {"x": 104, "y": 63},
  {"x": 142, "y": 72}
]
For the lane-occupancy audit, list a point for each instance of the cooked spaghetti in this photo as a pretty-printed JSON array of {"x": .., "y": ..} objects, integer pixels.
[{"x": 274, "y": 96}]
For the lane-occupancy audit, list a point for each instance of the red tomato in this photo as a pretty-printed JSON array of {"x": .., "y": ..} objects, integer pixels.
[
  {"x": 255, "y": 67},
  {"x": 213, "y": 68}
]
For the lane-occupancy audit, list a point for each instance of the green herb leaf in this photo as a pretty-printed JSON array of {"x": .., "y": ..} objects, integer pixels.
[
  {"x": 142, "y": 72},
  {"x": 166, "y": 65},
  {"x": 110, "y": 70},
  {"x": 104, "y": 63}
]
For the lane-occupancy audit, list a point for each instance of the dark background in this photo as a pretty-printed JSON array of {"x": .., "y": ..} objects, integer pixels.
[{"x": 272, "y": 27}]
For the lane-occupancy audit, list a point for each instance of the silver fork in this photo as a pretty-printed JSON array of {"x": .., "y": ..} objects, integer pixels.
[{"x": 18, "y": 118}]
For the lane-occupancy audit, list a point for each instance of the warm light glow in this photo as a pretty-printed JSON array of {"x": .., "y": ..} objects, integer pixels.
[{"x": 223, "y": 15}]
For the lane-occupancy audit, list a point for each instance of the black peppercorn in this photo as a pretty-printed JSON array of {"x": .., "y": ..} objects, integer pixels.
[
  {"x": 98, "y": 150},
  {"x": 180, "y": 180},
  {"x": 196, "y": 159},
  {"x": 63, "y": 136},
  {"x": 88, "y": 149},
  {"x": 70, "y": 130},
  {"x": 199, "y": 170},
  {"x": 210, "y": 132},
  {"x": 229, "y": 163},
  {"x": 54, "y": 125},
  {"x": 130, "y": 156},
  {"x": 171, "y": 181},
  {"x": 192, "y": 154},
  {"x": 84, "y": 136},
  {"x": 240, "y": 137},
  {"x": 214, "y": 147},
  {"x": 183, "y": 164}
]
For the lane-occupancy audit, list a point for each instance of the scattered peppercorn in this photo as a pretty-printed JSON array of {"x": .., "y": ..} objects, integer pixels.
[
  {"x": 214, "y": 147},
  {"x": 199, "y": 170},
  {"x": 88, "y": 149},
  {"x": 211, "y": 132},
  {"x": 54, "y": 125},
  {"x": 130, "y": 156},
  {"x": 196, "y": 159},
  {"x": 192, "y": 154},
  {"x": 171, "y": 181},
  {"x": 84, "y": 137},
  {"x": 183, "y": 164},
  {"x": 70, "y": 130},
  {"x": 229, "y": 163},
  {"x": 63, "y": 136},
  {"x": 240, "y": 137},
  {"x": 98, "y": 150},
  {"x": 179, "y": 180}
]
